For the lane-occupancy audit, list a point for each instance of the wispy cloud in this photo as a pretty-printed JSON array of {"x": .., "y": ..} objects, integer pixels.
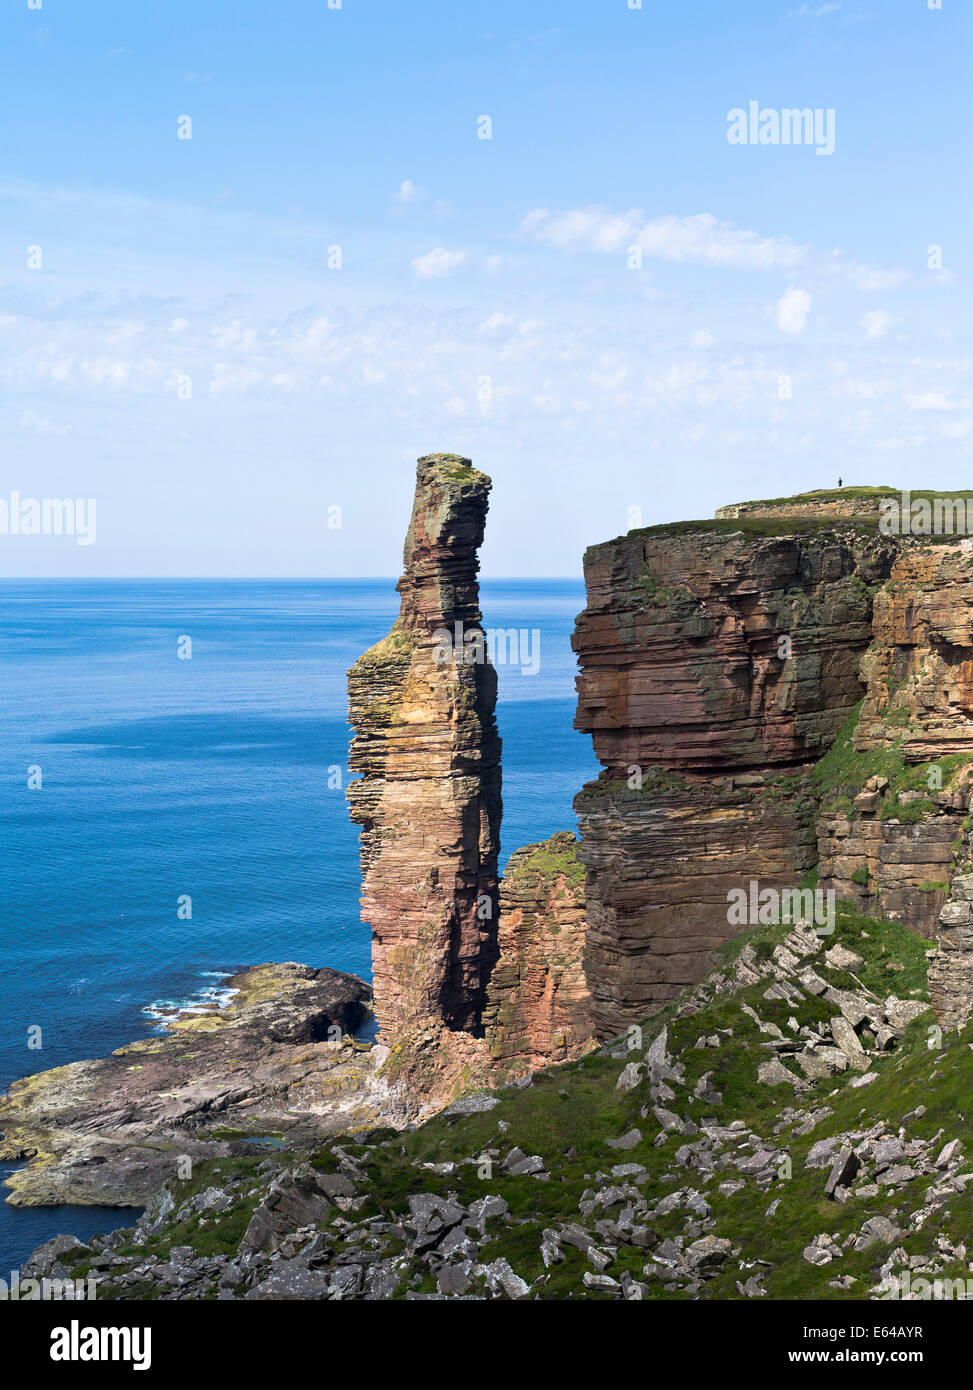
[
  {"x": 702, "y": 239},
  {"x": 438, "y": 263},
  {"x": 876, "y": 324}
]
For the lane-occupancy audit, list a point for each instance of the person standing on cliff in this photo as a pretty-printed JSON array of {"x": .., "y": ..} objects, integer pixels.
[{"x": 839, "y": 482}]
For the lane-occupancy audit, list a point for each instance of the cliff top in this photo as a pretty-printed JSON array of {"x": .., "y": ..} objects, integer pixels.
[
  {"x": 823, "y": 509},
  {"x": 834, "y": 503}
]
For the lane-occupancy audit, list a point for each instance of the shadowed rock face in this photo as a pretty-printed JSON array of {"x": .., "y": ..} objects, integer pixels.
[
  {"x": 699, "y": 712},
  {"x": 428, "y": 753}
]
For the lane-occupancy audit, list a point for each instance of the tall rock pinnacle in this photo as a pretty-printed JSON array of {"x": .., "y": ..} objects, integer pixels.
[{"x": 426, "y": 747}]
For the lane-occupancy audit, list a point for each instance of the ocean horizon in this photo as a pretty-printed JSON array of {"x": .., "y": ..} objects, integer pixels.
[{"x": 135, "y": 779}]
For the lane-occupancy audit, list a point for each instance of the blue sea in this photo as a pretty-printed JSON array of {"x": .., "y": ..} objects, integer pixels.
[{"x": 161, "y": 778}]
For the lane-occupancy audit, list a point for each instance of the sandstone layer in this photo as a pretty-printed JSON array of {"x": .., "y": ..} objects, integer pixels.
[
  {"x": 538, "y": 1006},
  {"x": 894, "y": 843},
  {"x": 716, "y": 667},
  {"x": 426, "y": 747},
  {"x": 919, "y": 669},
  {"x": 824, "y": 504}
]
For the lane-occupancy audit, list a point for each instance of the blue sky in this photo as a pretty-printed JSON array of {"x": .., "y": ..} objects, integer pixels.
[{"x": 785, "y": 326}]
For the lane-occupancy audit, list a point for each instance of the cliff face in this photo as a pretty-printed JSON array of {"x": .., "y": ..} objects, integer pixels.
[
  {"x": 919, "y": 670},
  {"x": 428, "y": 753},
  {"x": 894, "y": 843},
  {"x": 538, "y": 1007},
  {"x": 716, "y": 667}
]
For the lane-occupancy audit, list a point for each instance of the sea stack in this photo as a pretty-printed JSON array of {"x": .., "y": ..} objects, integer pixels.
[{"x": 427, "y": 751}]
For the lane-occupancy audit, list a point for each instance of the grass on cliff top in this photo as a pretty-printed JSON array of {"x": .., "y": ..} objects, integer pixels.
[
  {"x": 759, "y": 527},
  {"x": 858, "y": 493},
  {"x": 397, "y": 646},
  {"x": 548, "y": 860},
  {"x": 455, "y": 468},
  {"x": 833, "y": 494}
]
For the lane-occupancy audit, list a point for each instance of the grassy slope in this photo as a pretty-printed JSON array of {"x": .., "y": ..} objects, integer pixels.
[{"x": 570, "y": 1111}]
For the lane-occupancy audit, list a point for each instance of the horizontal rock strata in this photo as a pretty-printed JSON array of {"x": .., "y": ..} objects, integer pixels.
[
  {"x": 716, "y": 667},
  {"x": 538, "y": 1007},
  {"x": 427, "y": 751},
  {"x": 893, "y": 844},
  {"x": 919, "y": 668},
  {"x": 822, "y": 505}
]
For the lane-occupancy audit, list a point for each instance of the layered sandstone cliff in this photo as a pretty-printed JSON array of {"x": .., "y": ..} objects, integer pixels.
[
  {"x": 538, "y": 1006},
  {"x": 453, "y": 956},
  {"x": 894, "y": 843},
  {"x": 823, "y": 504},
  {"x": 717, "y": 666},
  {"x": 427, "y": 750}
]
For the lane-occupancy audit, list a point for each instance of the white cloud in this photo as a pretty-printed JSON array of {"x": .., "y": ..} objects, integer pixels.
[
  {"x": 792, "y": 310},
  {"x": 867, "y": 278},
  {"x": 701, "y": 338},
  {"x": 858, "y": 389},
  {"x": 495, "y": 322},
  {"x": 934, "y": 400},
  {"x": 702, "y": 239},
  {"x": 409, "y": 192},
  {"x": 38, "y": 424},
  {"x": 233, "y": 380},
  {"x": 102, "y": 371},
  {"x": 316, "y": 338},
  {"x": 437, "y": 263},
  {"x": 231, "y": 335},
  {"x": 877, "y": 323}
]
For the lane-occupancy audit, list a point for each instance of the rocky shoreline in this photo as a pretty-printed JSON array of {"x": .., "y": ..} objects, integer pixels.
[{"x": 279, "y": 1060}]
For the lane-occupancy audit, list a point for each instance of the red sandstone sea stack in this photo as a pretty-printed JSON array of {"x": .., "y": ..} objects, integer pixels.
[{"x": 427, "y": 752}]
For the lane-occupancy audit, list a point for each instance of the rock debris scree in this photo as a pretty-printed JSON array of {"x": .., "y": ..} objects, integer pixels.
[{"x": 427, "y": 750}]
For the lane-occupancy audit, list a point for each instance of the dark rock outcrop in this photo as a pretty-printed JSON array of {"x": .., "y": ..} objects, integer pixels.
[{"x": 279, "y": 1059}]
